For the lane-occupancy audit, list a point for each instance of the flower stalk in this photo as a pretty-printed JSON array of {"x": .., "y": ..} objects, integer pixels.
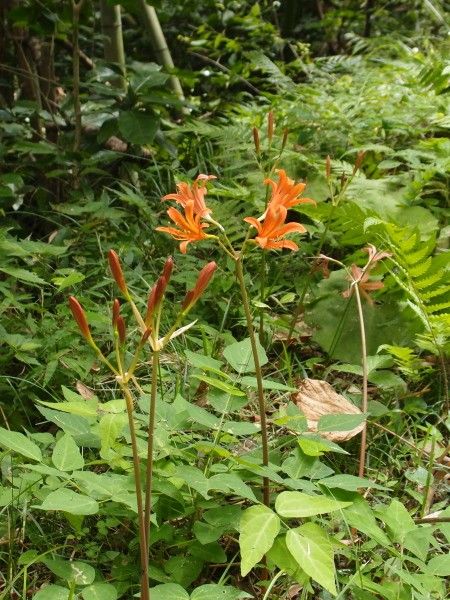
[{"x": 258, "y": 373}]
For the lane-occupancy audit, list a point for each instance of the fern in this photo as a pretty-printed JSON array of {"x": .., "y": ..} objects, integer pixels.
[{"x": 425, "y": 277}]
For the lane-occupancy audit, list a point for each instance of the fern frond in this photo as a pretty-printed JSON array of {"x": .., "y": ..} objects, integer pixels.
[{"x": 426, "y": 281}]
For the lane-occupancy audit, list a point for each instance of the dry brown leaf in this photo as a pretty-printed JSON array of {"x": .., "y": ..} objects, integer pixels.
[
  {"x": 84, "y": 391},
  {"x": 316, "y": 398}
]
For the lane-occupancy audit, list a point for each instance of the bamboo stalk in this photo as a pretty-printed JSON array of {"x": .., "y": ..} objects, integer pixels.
[
  {"x": 113, "y": 49},
  {"x": 159, "y": 44}
]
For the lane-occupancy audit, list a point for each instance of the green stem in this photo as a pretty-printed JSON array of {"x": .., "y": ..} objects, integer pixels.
[
  {"x": 145, "y": 595},
  {"x": 71, "y": 591},
  {"x": 150, "y": 445},
  {"x": 272, "y": 583},
  {"x": 262, "y": 293},
  {"x": 362, "y": 454},
  {"x": 258, "y": 373}
]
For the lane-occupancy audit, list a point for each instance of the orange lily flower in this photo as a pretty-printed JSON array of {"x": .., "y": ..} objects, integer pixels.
[
  {"x": 195, "y": 193},
  {"x": 285, "y": 192},
  {"x": 190, "y": 228},
  {"x": 360, "y": 277},
  {"x": 273, "y": 229}
]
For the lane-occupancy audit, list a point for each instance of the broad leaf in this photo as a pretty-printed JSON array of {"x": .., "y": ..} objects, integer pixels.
[
  {"x": 213, "y": 591},
  {"x": 340, "y": 422},
  {"x": 351, "y": 483},
  {"x": 220, "y": 385},
  {"x": 18, "y": 442},
  {"x": 86, "y": 408},
  {"x": 268, "y": 384},
  {"x": 52, "y": 592},
  {"x": 193, "y": 477},
  {"x": 99, "y": 591},
  {"x": 168, "y": 591},
  {"x": 398, "y": 520},
  {"x": 240, "y": 357},
  {"x": 23, "y": 275},
  {"x": 71, "y": 502},
  {"x": 75, "y": 571},
  {"x": 138, "y": 127},
  {"x": 313, "y": 550},
  {"x": 283, "y": 559},
  {"x": 299, "y": 505},
  {"x": 439, "y": 565},
  {"x": 360, "y": 516},
  {"x": 66, "y": 454},
  {"x": 258, "y": 529}
]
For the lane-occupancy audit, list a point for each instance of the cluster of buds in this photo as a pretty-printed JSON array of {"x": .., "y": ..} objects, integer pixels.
[
  {"x": 150, "y": 324},
  {"x": 270, "y": 132}
]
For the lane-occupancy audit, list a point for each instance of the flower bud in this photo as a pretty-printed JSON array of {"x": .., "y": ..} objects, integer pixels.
[
  {"x": 80, "y": 317},
  {"x": 256, "y": 140},
  {"x": 203, "y": 280},
  {"x": 285, "y": 138},
  {"x": 359, "y": 160},
  {"x": 115, "y": 312},
  {"x": 121, "y": 329},
  {"x": 270, "y": 126},
  {"x": 328, "y": 167},
  {"x": 117, "y": 273},
  {"x": 155, "y": 298},
  {"x": 168, "y": 268}
]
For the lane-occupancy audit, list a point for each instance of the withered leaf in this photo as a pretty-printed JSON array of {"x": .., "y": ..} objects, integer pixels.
[{"x": 316, "y": 398}]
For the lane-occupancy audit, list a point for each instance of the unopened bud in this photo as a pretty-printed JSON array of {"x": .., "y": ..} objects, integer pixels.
[
  {"x": 121, "y": 329},
  {"x": 270, "y": 126},
  {"x": 343, "y": 179},
  {"x": 117, "y": 273},
  {"x": 80, "y": 317},
  {"x": 204, "y": 277},
  {"x": 328, "y": 167},
  {"x": 359, "y": 160},
  {"x": 256, "y": 140},
  {"x": 155, "y": 298},
  {"x": 115, "y": 312},
  {"x": 285, "y": 138},
  {"x": 168, "y": 268}
]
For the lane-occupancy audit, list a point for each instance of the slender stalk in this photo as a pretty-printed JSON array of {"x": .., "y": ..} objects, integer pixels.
[
  {"x": 262, "y": 293},
  {"x": 145, "y": 594},
  {"x": 362, "y": 454},
  {"x": 258, "y": 373},
  {"x": 150, "y": 445},
  {"x": 272, "y": 583}
]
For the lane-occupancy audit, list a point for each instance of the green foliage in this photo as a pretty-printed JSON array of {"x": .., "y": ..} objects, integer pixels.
[{"x": 67, "y": 502}]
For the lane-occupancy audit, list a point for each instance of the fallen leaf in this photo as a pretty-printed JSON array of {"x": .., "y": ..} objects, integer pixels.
[
  {"x": 84, "y": 391},
  {"x": 316, "y": 398}
]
